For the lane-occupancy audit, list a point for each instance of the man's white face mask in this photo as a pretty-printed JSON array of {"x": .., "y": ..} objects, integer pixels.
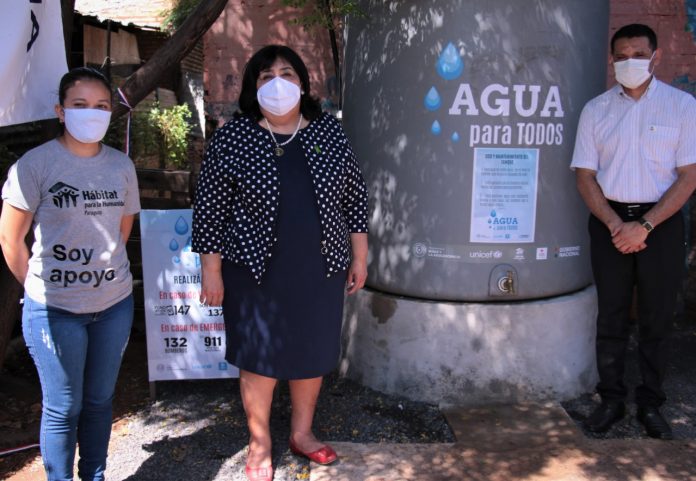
[{"x": 633, "y": 72}]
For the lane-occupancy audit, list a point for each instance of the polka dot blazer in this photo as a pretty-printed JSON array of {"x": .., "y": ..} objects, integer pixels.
[{"x": 237, "y": 196}]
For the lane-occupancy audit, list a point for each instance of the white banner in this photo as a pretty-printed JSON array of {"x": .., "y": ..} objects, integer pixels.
[
  {"x": 32, "y": 59},
  {"x": 185, "y": 340}
]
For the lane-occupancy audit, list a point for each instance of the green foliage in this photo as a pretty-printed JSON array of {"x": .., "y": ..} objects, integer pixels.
[
  {"x": 158, "y": 132},
  {"x": 173, "y": 129},
  {"x": 180, "y": 10},
  {"x": 145, "y": 137},
  {"x": 322, "y": 13}
]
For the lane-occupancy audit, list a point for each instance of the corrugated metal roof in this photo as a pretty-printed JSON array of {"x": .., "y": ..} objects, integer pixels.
[{"x": 144, "y": 13}]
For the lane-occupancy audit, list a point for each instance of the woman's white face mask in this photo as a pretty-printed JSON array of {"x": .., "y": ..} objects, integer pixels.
[
  {"x": 87, "y": 125},
  {"x": 278, "y": 96},
  {"x": 633, "y": 72}
]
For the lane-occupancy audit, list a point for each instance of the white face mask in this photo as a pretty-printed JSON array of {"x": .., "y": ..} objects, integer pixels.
[
  {"x": 278, "y": 96},
  {"x": 633, "y": 72},
  {"x": 87, "y": 125}
]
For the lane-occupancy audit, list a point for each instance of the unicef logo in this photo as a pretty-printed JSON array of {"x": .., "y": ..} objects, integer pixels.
[{"x": 420, "y": 250}]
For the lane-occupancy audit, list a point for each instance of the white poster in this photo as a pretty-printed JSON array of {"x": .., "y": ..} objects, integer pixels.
[
  {"x": 32, "y": 59},
  {"x": 185, "y": 340},
  {"x": 504, "y": 194}
]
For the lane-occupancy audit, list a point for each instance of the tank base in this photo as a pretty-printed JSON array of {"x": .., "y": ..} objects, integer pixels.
[{"x": 467, "y": 353}]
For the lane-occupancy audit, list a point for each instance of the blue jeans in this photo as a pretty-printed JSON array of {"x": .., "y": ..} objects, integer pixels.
[{"x": 78, "y": 357}]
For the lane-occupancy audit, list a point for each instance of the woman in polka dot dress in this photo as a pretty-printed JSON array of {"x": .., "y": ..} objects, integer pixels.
[{"x": 280, "y": 221}]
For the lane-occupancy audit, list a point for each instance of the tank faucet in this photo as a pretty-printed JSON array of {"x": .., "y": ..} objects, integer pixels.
[
  {"x": 506, "y": 283},
  {"x": 503, "y": 281}
]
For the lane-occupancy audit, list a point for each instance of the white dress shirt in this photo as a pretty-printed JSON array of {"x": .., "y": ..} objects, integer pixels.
[{"x": 635, "y": 146}]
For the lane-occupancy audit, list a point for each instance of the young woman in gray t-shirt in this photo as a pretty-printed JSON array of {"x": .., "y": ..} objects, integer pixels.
[{"x": 79, "y": 197}]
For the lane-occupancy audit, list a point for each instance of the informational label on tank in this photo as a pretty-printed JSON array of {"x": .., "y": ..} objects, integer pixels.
[
  {"x": 185, "y": 338},
  {"x": 504, "y": 193}
]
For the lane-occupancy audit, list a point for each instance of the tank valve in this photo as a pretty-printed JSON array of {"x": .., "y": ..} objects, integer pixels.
[
  {"x": 503, "y": 281},
  {"x": 506, "y": 283}
]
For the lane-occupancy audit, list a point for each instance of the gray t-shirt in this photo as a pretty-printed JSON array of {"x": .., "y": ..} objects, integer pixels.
[{"x": 78, "y": 260}]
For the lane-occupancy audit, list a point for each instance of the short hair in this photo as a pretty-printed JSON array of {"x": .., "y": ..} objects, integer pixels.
[
  {"x": 635, "y": 30},
  {"x": 264, "y": 59},
  {"x": 81, "y": 73}
]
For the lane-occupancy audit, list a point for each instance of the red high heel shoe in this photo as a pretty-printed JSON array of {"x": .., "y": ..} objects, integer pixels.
[
  {"x": 259, "y": 474},
  {"x": 324, "y": 455}
]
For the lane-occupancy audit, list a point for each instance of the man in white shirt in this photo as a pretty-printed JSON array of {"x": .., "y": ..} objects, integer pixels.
[{"x": 635, "y": 164}]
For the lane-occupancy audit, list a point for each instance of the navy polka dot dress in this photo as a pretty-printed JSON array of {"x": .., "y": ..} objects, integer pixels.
[
  {"x": 289, "y": 326},
  {"x": 282, "y": 225}
]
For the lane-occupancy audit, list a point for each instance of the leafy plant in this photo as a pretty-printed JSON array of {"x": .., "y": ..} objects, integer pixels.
[
  {"x": 156, "y": 132},
  {"x": 180, "y": 10},
  {"x": 173, "y": 129}
]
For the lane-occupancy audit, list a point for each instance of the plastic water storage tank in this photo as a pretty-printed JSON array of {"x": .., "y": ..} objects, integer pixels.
[{"x": 463, "y": 116}]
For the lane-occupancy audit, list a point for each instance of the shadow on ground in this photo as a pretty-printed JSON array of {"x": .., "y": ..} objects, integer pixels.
[{"x": 196, "y": 430}]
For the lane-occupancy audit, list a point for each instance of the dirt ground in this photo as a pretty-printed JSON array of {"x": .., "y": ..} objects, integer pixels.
[
  {"x": 20, "y": 397},
  {"x": 346, "y": 411}
]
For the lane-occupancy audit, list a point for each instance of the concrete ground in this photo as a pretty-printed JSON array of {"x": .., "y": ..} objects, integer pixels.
[
  {"x": 532, "y": 442},
  {"x": 196, "y": 432}
]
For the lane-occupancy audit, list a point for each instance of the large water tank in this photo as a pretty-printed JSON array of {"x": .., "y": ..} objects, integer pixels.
[{"x": 463, "y": 116}]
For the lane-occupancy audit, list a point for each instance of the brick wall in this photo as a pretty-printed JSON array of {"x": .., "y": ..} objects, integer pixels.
[
  {"x": 674, "y": 21},
  {"x": 243, "y": 28}
]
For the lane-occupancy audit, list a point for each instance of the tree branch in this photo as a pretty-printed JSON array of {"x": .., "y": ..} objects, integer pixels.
[
  {"x": 144, "y": 80},
  {"x": 334, "y": 52}
]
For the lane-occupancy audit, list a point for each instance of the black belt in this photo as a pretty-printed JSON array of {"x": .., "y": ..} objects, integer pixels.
[{"x": 631, "y": 210}]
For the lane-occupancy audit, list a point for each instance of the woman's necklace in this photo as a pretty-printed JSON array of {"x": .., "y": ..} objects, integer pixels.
[{"x": 278, "y": 147}]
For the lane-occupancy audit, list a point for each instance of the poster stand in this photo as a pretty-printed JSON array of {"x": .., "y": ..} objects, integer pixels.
[{"x": 185, "y": 339}]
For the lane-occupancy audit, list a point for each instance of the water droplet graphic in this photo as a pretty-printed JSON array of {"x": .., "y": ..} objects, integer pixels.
[
  {"x": 187, "y": 246},
  {"x": 493, "y": 213},
  {"x": 181, "y": 227},
  {"x": 436, "y": 129},
  {"x": 173, "y": 245},
  {"x": 455, "y": 137},
  {"x": 176, "y": 260},
  {"x": 450, "y": 65},
  {"x": 432, "y": 100}
]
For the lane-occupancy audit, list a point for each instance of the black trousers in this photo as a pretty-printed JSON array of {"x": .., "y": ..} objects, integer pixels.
[{"x": 657, "y": 273}]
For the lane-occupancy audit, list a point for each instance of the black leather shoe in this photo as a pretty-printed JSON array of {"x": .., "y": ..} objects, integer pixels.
[
  {"x": 605, "y": 416},
  {"x": 655, "y": 425}
]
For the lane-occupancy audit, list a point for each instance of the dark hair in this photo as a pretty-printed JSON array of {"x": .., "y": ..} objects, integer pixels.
[
  {"x": 81, "y": 73},
  {"x": 635, "y": 30},
  {"x": 262, "y": 60}
]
